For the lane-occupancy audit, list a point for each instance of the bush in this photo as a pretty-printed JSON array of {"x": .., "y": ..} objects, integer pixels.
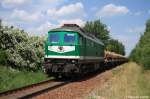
[
  {"x": 3, "y": 57},
  {"x": 19, "y": 50}
]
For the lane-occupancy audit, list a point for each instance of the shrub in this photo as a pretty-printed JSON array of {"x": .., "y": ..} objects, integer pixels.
[
  {"x": 20, "y": 50},
  {"x": 3, "y": 57}
]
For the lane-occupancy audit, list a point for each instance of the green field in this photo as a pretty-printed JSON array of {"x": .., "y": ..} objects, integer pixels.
[
  {"x": 128, "y": 81},
  {"x": 11, "y": 78}
]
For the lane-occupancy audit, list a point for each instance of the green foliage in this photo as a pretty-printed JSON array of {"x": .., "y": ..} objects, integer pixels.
[
  {"x": 12, "y": 78},
  {"x": 3, "y": 57},
  {"x": 141, "y": 53},
  {"x": 115, "y": 46},
  {"x": 22, "y": 51},
  {"x": 100, "y": 31}
]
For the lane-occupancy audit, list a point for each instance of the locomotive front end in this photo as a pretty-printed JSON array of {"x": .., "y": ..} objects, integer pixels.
[{"x": 61, "y": 53}]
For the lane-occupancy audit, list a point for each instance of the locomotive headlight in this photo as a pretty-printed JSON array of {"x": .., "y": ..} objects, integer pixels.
[{"x": 73, "y": 61}]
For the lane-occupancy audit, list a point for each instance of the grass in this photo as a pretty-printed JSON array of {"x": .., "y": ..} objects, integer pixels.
[
  {"x": 128, "y": 81},
  {"x": 117, "y": 70},
  {"x": 11, "y": 78}
]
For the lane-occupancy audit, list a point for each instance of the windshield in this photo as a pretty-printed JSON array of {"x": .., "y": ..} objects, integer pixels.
[
  {"x": 54, "y": 38},
  {"x": 69, "y": 38}
]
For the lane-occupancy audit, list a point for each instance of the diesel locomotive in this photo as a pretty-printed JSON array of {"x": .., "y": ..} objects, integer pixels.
[{"x": 70, "y": 51}]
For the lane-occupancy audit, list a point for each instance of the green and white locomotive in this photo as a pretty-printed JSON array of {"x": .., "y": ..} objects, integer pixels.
[{"x": 70, "y": 51}]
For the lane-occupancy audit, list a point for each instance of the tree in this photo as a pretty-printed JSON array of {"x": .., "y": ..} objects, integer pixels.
[
  {"x": 115, "y": 46},
  {"x": 98, "y": 29},
  {"x": 141, "y": 53},
  {"x": 20, "y": 50}
]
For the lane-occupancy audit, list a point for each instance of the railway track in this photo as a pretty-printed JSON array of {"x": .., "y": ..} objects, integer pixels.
[
  {"x": 41, "y": 88},
  {"x": 32, "y": 90}
]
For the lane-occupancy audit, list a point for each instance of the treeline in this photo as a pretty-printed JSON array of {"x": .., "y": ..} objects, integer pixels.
[
  {"x": 141, "y": 53},
  {"x": 100, "y": 30},
  {"x": 115, "y": 46},
  {"x": 19, "y": 50}
]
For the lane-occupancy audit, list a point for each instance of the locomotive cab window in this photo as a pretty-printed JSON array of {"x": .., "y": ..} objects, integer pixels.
[
  {"x": 54, "y": 38},
  {"x": 69, "y": 38}
]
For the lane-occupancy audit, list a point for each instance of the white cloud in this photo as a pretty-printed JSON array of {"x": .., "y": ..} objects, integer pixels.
[
  {"x": 54, "y": 1},
  {"x": 13, "y": 3},
  {"x": 137, "y": 29},
  {"x": 112, "y": 10},
  {"x": 45, "y": 27},
  {"x": 8, "y": 23},
  {"x": 22, "y": 15},
  {"x": 109, "y": 28},
  {"x": 79, "y": 22},
  {"x": 72, "y": 10},
  {"x": 42, "y": 29}
]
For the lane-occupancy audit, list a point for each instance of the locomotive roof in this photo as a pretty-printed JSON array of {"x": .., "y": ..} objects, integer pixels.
[{"x": 80, "y": 31}]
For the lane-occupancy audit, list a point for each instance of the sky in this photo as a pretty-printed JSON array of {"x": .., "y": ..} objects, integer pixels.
[{"x": 125, "y": 19}]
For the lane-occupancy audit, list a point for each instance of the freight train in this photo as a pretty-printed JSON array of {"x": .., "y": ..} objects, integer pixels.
[{"x": 70, "y": 51}]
